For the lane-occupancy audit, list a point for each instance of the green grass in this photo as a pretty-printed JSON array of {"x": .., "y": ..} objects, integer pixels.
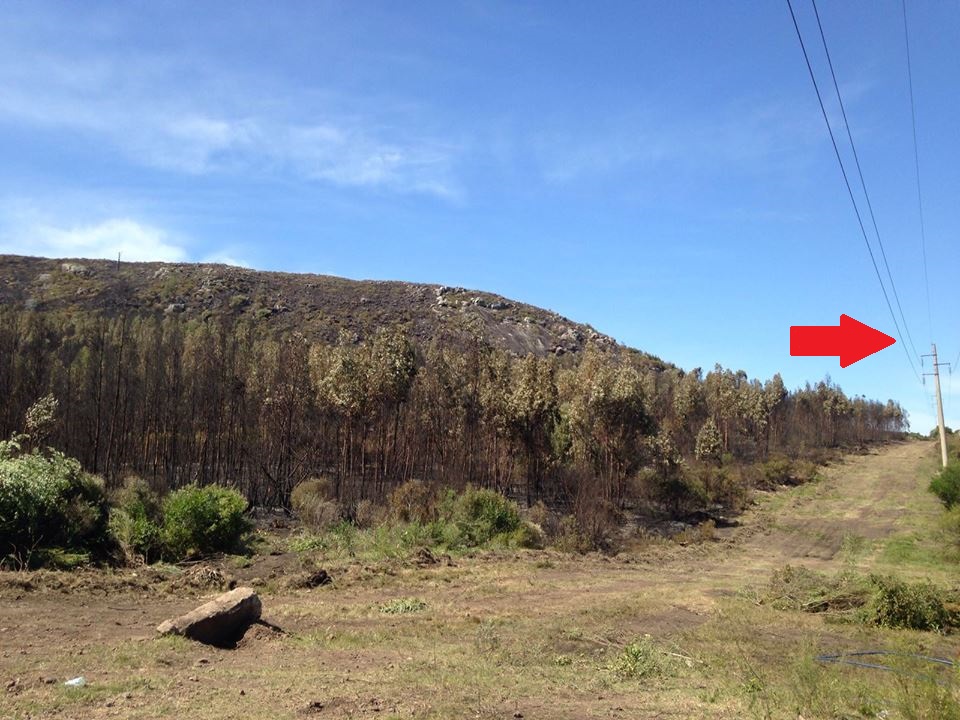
[
  {"x": 638, "y": 660},
  {"x": 753, "y": 660},
  {"x": 911, "y": 550},
  {"x": 402, "y": 606},
  {"x": 855, "y": 548}
]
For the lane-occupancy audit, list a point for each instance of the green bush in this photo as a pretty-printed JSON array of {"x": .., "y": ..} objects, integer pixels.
[
  {"x": 946, "y": 485},
  {"x": 203, "y": 520},
  {"x": 48, "y": 501},
  {"x": 527, "y": 535},
  {"x": 728, "y": 486},
  {"x": 136, "y": 521},
  {"x": 470, "y": 519},
  {"x": 639, "y": 659},
  {"x": 681, "y": 492},
  {"x": 915, "y": 606},
  {"x": 481, "y": 515},
  {"x": 783, "y": 471}
]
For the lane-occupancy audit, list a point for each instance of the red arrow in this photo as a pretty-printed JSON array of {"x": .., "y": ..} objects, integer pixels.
[{"x": 851, "y": 340}]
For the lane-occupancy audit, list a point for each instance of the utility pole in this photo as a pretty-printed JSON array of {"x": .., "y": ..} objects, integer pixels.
[{"x": 936, "y": 385}]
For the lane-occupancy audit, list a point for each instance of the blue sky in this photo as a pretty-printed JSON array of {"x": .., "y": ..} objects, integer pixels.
[{"x": 659, "y": 170}]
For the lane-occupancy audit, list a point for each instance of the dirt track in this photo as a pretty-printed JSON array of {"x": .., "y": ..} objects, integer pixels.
[{"x": 341, "y": 651}]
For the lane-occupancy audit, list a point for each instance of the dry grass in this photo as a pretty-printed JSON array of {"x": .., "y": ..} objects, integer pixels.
[{"x": 671, "y": 632}]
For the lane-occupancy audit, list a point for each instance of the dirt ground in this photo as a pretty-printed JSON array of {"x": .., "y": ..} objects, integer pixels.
[{"x": 502, "y": 635}]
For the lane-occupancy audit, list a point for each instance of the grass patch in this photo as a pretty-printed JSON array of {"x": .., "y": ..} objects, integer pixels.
[
  {"x": 754, "y": 665},
  {"x": 855, "y": 547},
  {"x": 403, "y": 606},
  {"x": 908, "y": 550},
  {"x": 638, "y": 660}
]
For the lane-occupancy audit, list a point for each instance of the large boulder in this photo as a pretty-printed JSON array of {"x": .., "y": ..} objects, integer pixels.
[{"x": 222, "y": 621}]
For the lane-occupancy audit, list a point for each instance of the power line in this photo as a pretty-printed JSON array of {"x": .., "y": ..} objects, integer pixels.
[
  {"x": 863, "y": 183},
  {"x": 916, "y": 163},
  {"x": 846, "y": 181}
]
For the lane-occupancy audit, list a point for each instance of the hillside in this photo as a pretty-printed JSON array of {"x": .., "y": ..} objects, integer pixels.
[
  {"x": 214, "y": 374},
  {"x": 319, "y": 306}
]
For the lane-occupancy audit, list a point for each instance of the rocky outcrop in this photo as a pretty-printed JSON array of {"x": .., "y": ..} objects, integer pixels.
[{"x": 318, "y": 308}]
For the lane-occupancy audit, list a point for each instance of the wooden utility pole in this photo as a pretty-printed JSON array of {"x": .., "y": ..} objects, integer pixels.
[{"x": 936, "y": 386}]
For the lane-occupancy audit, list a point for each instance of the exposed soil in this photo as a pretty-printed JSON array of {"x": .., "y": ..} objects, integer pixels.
[{"x": 326, "y": 650}]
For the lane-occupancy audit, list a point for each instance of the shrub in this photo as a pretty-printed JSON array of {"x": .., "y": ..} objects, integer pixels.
[
  {"x": 202, "y": 520},
  {"x": 569, "y": 537},
  {"x": 481, "y": 515},
  {"x": 314, "y": 502},
  {"x": 639, "y": 659},
  {"x": 915, "y": 606},
  {"x": 681, "y": 492},
  {"x": 528, "y": 535},
  {"x": 783, "y": 471},
  {"x": 597, "y": 520},
  {"x": 368, "y": 514},
  {"x": 702, "y": 533},
  {"x": 414, "y": 501},
  {"x": 727, "y": 486},
  {"x": 776, "y": 471},
  {"x": 135, "y": 521},
  {"x": 47, "y": 500},
  {"x": 539, "y": 514},
  {"x": 946, "y": 485}
]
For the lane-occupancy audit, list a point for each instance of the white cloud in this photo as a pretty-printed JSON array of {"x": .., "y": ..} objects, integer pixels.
[
  {"x": 133, "y": 241},
  {"x": 164, "y": 113}
]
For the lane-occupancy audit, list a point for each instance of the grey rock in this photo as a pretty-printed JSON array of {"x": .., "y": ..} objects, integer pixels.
[
  {"x": 218, "y": 622},
  {"x": 75, "y": 268}
]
